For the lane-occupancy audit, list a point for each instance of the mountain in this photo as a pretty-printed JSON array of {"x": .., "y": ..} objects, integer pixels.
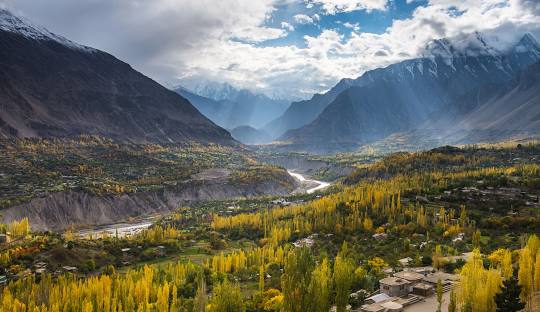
[
  {"x": 403, "y": 96},
  {"x": 231, "y": 107},
  {"x": 303, "y": 112},
  {"x": 250, "y": 135},
  {"x": 513, "y": 111},
  {"x": 52, "y": 87}
]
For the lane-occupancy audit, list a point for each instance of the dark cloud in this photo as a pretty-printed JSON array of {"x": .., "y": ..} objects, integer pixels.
[{"x": 438, "y": 27}]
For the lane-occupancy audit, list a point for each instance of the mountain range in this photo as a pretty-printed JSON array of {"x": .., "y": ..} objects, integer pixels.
[
  {"x": 451, "y": 76},
  {"x": 459, "y": 90},
  {"x": 53, "y": 87},
  {"x": 231, "y": 108}
]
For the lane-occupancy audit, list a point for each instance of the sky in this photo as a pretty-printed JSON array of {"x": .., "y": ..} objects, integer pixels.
[{"x": 284, "y": 48}]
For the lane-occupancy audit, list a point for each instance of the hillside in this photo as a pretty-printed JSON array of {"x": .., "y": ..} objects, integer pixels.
[
  {"x": 404, "y": 95},
  {"x": 52, "y": 87}
]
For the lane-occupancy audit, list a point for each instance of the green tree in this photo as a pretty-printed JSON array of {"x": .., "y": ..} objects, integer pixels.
[
  {"x": 227, "y": 298},
  {"x": 477, "y": 235},
  {"x": 320, "y": 287},
  {"x": 508, "y": 299},
  {"x": 199, "y": 302},
  {"x": 343, "y": 278},
  {"x": 296, "y": 280},
  {"x": 439, "y": 295},
  {"x": 452, "y": 305}
]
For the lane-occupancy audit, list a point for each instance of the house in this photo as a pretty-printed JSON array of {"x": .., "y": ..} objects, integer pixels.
[
  {"x": 423, "y": 289},
  {"x": 4, "y": 239},
  {"x": 445, "y": 278},
  {"x": 395, "y": 286},
  {"x": 422, "y": 270},
  {"x": 410, "y": 276},
  {"x": 388, "y": 305},
  {"x": 405, "y": 261},
  {"x": 68, "y": 268},
  {"x": 380, "y": 236},
  {"x": 305, "y": 242},
  {"x": 377, "y": 298}
]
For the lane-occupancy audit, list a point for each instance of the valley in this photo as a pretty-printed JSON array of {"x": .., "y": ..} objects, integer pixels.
[{"x": 369, "y": 176}]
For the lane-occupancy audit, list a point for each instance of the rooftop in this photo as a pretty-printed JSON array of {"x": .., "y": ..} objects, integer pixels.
[
  {"x": 409, "y": 276},
  {"x": 394, "y": 281}
]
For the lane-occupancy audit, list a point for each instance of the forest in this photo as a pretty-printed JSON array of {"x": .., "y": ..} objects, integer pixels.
[{"x": 326, "y": 250}]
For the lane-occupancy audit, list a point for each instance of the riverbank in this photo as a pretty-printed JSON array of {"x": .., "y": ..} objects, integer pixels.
[{"x": 308, "y": 186}]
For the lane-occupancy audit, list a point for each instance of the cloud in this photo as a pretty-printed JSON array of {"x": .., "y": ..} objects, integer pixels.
[
  {"x": 336, "y": 6},
  {"x": 355, "y": 26},
  {"x": 220, "y": 40},
  {"x": 303, "y": 19},
  {"x": 158, "y": 37},
  {"x": 287, "y": 26}
]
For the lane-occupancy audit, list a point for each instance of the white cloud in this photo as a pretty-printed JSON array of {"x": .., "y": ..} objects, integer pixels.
[
  {"x": 303, "y": 19},
  {"x": 287, "y": 26},
  {"x": 169, "y": 41},
  {"x": 259, "y": 34},
  {"x": 355, "y": 26},
  {"x": 336, "y": 6}
]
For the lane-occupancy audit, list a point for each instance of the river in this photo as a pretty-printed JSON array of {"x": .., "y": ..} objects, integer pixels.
[
  {"x": 123, "y": 229},
  {"x": 319, "y": 185},
  {"x": 128, "y": 229}
]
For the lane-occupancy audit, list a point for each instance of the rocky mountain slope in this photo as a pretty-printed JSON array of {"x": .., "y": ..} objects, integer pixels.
[
  {"x": 52, "y": 87},
  {"x": 250, "y": 135},
  {"x": 402, "y": 96},
  {"x": 61, "y": 210}
]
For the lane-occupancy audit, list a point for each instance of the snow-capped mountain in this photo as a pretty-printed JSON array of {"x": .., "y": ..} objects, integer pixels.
[
  {"x": 446, "y": 67},
  {"x": 52, "y": 87},
  {"x": 231, "y": 108},
  {"x": 403, "y": 95},
  {"x": 24, "y": 27}
]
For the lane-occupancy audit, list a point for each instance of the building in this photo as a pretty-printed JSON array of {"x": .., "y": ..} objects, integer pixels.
[
  {"x": 4, "y": 239},
  {"x": 410, "y": 276},
  {"x": 423, "y": 289},
  {"x": 395, "y": 286},
  {"x": 405, "y": 261},
  {"x": 379, "y": 236}
]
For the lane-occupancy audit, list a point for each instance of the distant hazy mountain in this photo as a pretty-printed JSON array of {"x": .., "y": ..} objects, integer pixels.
[
  {"x": 303, "y": 112},
  {"x": 52, "y": 87},
  {"x": 405, "y": 95},
  {"x": 230, "y": 108},
  {"x": 250, "y": 135}
]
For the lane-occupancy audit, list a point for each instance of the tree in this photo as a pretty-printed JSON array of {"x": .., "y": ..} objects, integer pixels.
[
  {"x": 261, "y": 279},
  {"x": 525, "y": 274},
  {"x": 296, "y": 279},
  {"x": 199, "y": 302},
  {"x": 227, "y": 298},
  {"x": 437, "y": 255},
  {"x": 476, "y": 239},
  {"x": 508, "y": 299},
  {"x": 452, "y": 305},
  {"x": 320, "y": 287},
  {"x": 343, "y": 278},
  {"x": 537, "y": 272},
  {"x": 439, "y": 295}
]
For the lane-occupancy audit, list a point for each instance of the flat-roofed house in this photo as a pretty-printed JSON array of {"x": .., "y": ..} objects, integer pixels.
[
  {"x": 395, "y": 286},
  {"x": 413, "y": 277}
]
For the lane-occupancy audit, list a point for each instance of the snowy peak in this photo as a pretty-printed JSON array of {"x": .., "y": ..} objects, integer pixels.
[
  {"x": 527, "y": 44},
  {"x": 473, "y": 44},
  {"x": 19, "y": 25}
]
